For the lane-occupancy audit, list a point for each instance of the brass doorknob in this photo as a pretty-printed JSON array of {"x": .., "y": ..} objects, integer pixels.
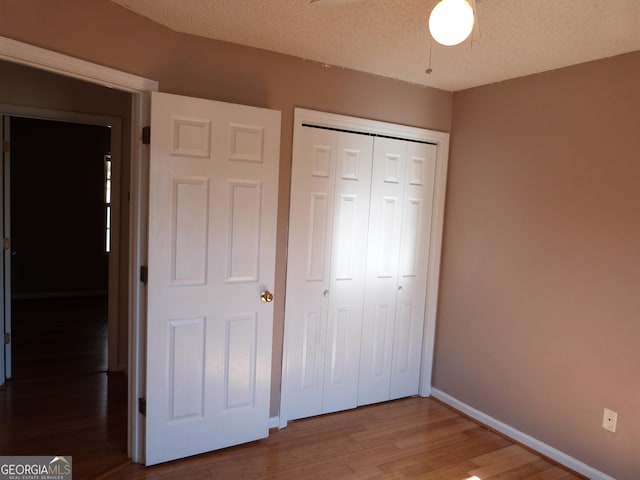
[{"x": 266, "y": 296}]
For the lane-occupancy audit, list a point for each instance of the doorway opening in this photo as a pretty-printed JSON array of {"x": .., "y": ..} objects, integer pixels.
[
  {"x": 59, "y": 219},
  {"x": 79, "y": 97},
  {"x": 59, "y": 193}
]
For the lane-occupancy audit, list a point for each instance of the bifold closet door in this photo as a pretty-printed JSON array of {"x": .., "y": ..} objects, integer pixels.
[
  {"x": 417, "y": 211},
  {"x": 328, "y": 226},
  {"x": 400, "y": 216}
]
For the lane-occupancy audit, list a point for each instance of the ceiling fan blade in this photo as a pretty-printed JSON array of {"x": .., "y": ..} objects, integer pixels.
[{"x": 332, "y": 3}]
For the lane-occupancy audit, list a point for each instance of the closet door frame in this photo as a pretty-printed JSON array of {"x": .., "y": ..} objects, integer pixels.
[{"x": 314, "y": 118}]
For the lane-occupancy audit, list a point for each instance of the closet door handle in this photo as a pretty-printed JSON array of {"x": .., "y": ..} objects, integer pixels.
[
  {"x": 400, "y": 288},
  {"x": 266, "y": 296},
  {"x": 325, "y": 294}
]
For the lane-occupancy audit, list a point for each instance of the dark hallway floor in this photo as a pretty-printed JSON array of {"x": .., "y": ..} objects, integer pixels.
[
  {"x": 59, "y": 337},
  {"x": 61, "y": 400}
]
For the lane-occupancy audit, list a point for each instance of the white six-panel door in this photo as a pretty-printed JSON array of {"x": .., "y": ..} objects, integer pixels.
[{"x": 212, "y": 224}]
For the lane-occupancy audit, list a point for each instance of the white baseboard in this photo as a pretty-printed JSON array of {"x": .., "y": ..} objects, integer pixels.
[
  {"x": 520, "y": 437},
  {"x": 274, "y": 422}
]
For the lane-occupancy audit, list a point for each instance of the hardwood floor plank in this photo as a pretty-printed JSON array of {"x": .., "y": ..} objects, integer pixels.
[
  {"x": 497, "y": 456},
  {"x": 526, "y": 471},
  {"x": 59, "y": 336},
  {"x": 458, "y": 471},
  {"x": 508, "y": 460}
]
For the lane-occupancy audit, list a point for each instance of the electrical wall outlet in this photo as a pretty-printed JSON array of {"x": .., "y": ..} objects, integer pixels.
[{"x": 610, "y": 420}]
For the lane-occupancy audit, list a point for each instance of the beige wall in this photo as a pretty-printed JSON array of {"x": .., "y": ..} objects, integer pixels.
[
  {"x": 105, "y": 33},
  {"x": 539, "y": 312}
]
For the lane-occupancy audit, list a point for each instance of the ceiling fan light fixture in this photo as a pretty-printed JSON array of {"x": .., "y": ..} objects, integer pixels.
[{"x": 451, "y": 22}]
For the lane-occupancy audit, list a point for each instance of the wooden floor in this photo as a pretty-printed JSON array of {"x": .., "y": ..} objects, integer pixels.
[
  {"x": 60, "y": 400},
  {"x": 414, "y": 438},
  {"x": 78, "y": 411},
  {"x": 61, "y": 336}
]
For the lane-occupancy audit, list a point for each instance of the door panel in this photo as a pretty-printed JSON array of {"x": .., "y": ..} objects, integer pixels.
[
  {"x": 308, "y": 268},
  {"x": 212, "y": 213},
  {"x": 412, "y": 277},
  {"x": 385, "y": 238},
  {"x": 186, "y": 368},
  {"x": 189, "y": 226},
  {"x": 244, "y": 231},
  {"x": 240, "y": 361},
  {"x": 348, "y": 266},
  {"x": 327, "y": 237}
]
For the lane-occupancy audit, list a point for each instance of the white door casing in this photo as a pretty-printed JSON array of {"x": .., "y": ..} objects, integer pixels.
[
  {"x": 5, "y": 260},
  {"x": 139, "y": 87},
  {"x": 212, "y": 225},
  {"x": 114, "y": 354}
]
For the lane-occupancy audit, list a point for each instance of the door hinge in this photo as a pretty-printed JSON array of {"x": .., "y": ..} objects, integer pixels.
[
  {"x": 144, "y": 274},
  {"x": 5, "y": 146},
  {"x": 7, "y": 338},
  {"x": 146, "y": 135},
  {"x": 142, "y": 406},
  {"x": 6, "y": 244}
]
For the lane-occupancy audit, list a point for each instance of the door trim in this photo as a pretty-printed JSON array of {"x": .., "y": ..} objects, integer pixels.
[
  {"x": 116, "y": 153},
  {"x": 43, "y": 59},
  {"x": 5, "y": 258}
]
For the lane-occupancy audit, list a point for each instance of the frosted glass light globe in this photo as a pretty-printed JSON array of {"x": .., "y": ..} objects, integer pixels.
[{"x": 451, "y": 22}]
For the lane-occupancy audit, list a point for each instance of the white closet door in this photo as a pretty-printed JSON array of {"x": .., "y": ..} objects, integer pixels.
[
  {"x": 417, "y": 206},
  {"x": 308, "y": 268},
  {"x": 331, "y": 177},
  {"x": 385, "y": 228},
  {"x": 360, "y": 249},
  {"x": 348, "y": 264}
]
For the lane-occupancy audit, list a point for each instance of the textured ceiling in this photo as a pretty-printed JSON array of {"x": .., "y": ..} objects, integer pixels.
[{"x": 512, "y": 38}]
